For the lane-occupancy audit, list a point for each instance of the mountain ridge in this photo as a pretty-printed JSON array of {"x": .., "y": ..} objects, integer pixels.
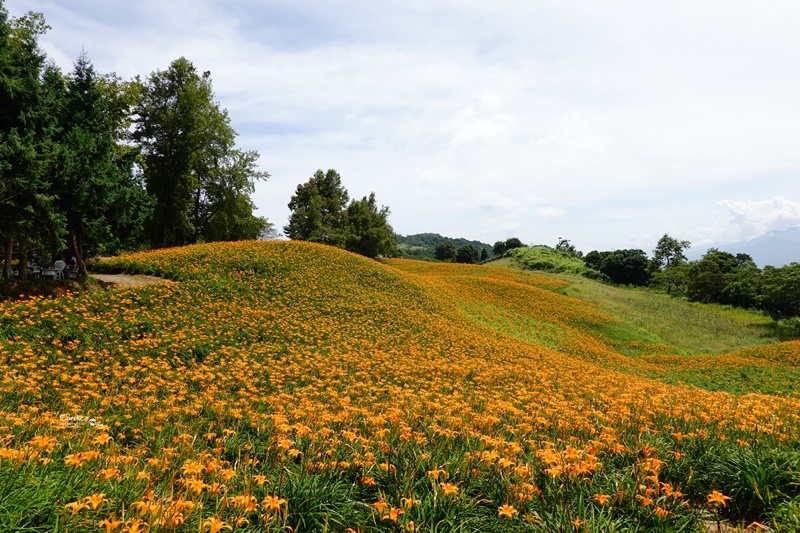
[{"x": 775, "y": 248}]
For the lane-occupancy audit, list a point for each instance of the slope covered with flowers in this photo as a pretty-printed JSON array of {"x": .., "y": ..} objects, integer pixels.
[{"x": 292, "y": 385}]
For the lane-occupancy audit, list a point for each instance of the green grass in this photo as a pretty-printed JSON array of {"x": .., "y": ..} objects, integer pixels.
[
  {"x": 691, "y": 328},
  {"x": 550, "y": 260},
  {"x": 659, "y": 328},
  {"x": 760, "y": 379}
]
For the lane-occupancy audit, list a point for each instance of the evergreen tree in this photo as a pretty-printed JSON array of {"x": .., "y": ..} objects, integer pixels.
[
  {"x": 191, "y": 166},
  {"x": 27, "y": 213},
  {"x": 318, "y": 210},
  {"x": 92, "y": 173},
  {"x": 320, "y": 213},
  {"x": 368, "y": 229}
]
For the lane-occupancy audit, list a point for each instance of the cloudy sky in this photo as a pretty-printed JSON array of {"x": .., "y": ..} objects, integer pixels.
[{"x": 607, "y": 123}]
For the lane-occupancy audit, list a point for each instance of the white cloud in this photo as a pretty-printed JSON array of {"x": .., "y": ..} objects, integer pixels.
[
  {"x": 550, "y": 212},
  {"x": 756, "y": 217}
]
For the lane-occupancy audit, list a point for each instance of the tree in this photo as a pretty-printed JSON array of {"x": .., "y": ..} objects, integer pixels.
[
  {"x": 318, "y": 210},
  {"x": 626, "y": 267},
  {"x": 595, "y": 259},
  {"x": 92, "y": 169},
  {"x": 320, "y": 213},
  {"x": 512, "y": 243},
  {"x": 190, "y": 163},
  {"x": 223, "y": 208},
  {"x": 721, "y": 277},
  {"x": 484, "y": 255},
  {"x": 27, "y": 212},
  {"x": 668, "y": 264},
  {"x": 669, "y": 251},
  {"x": 499, "y": 248},
  {"x": 568, "y": 248},
  {"x": 780, "y": 290},
  {"x": 445, "y": 251},
  {"x": 467, "y": 254},
  {"x": 368, "y": 229}
]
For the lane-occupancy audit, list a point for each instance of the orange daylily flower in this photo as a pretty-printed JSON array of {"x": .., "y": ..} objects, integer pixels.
[
  {"x": 717, "y": 497},
  {"x": 507, "y": 510}
]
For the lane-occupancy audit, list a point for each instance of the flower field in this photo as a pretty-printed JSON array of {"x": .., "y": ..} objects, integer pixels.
[{"x": 296, "y": 387}]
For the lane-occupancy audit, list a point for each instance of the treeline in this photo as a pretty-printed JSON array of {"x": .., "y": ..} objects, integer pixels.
[
  {"x": 432, "y": 246},
  {"x": 93, "y": 164},
  {"x": 718, "y": 277}
]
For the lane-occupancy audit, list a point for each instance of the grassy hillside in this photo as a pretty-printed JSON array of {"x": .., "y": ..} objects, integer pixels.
[
  {"x": 549, "y": 260},
  {"x": 691, "y": 326},
  {"x": 291, "y": 385}
]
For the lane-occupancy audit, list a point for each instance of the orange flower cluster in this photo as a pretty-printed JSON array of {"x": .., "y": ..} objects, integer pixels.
[{"x": 212, "y": 403}]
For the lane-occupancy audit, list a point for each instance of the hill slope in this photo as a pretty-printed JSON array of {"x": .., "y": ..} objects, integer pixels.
[{"x": 289, "y": 384}]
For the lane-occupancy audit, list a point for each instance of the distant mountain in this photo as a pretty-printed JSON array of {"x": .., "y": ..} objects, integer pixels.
[
  {"x": 776, "y": 248},
  {"x": 422, "y": 245}
]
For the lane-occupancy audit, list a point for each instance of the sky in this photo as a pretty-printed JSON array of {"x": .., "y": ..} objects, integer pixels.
[{"x": 606, "y": 123}]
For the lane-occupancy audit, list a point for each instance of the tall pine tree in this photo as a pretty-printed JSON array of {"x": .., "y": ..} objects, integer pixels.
[
  {"x": 191, "y": 166},
  {"x": 27, "y": 213}
]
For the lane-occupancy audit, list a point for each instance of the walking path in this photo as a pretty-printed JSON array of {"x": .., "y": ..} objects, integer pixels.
[{"x": 128, "y": 280}]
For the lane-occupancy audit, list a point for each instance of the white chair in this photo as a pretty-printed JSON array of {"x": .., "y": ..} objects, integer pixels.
[{"x": 59, "y": 267}]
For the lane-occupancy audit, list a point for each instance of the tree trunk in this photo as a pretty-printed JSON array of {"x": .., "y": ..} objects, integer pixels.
[
  {"x": 196, "y": 232},
  {"x": 23, "y": 258},
  {"x": 77, "y": 253},
  {"x": 7, "y": 264}
]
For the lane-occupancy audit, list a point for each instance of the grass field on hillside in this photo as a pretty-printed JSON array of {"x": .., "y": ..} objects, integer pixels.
[
  {"x": 290, "y": 386},
  {"x": 690, "y": 328}
]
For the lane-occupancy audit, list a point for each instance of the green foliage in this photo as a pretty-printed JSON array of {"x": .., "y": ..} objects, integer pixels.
[
  {"x": 512, "y": 243},
  {"x": 721, "y": 277},
  {"x": 368, "y": 229},
  {"x": 320, "y": 213},
  {"x": 669, "y": 251},
  {"x": 758, "y": 480},
  {"x": 318, "y": 210},
  {"x": 92, "y": 169},
  {"x": 423, "y": 245},
  {"x": 67, "y": 163},
  {"x": 623, "y": 267},
  {"x": 780, "y": 290},
  {"x": 445, "y": 251},
  {"x": 28, "y": 213},
  {"x": 190, "y": 164},
  {"x": 550, "y": 260},
  {"x": 567, "y": 247},
  {"x": 467, "y": 254}
]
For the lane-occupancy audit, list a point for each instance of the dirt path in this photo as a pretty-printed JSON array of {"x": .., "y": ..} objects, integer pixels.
[{"x": 128, "y": 280}]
